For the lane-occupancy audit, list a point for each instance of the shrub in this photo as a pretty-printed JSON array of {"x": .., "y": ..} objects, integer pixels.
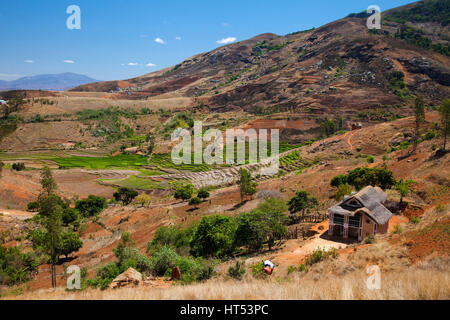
[
  {"x": 319, "y": 255},
  {"x": 125, "y": 195},
  {"x": 370, "y": 159},
  {"x": 184, "y": 192},
  {"x": 163, "y": 260},
  {"x": 343, "y": 190},
  {"x": 105, "y": 275},
  {"x": 362, "y": 177},
  {"x": 397, "y": 229},
  {"x": 91, "y": 206},
  {"x": 19, "y": 166},
  {"x": 214, "y": 236},
  {"x": 257, "y": 269},
  {"x": 16, "y": 267},
  {"x": 301, "y": 267},
  {"x": 237, "y": 271},
  {"x": 291, "y": 269},
  {"x": 415, "y": 220},
  {"x": 369, "y": 239},
  {"x": 203, "y": 194}
]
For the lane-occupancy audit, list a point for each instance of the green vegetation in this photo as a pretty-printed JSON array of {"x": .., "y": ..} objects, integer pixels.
[
  {"x": 214, "y": 236},
  {"x": 52, "y": 238},
  {"x": 403, "y": 187},
  {"x": 91, "y": 206},
  {"x": 16, "y": 267},
  {"x": 397, "y": 85},
  {"x": 165, "y": 161},
  {"x": 319, "y": 255},
  {"x": 362, "y": 177},
  {"x": 417, "y": 38},
  {"x": 246, "y": 186},
  {"x": 302, "y": 202},
  {"x": 125, "y": 195},
  {"x": 106, "y": 162},
  {"x": 444, "y": 111},
  {"x": 343, "y": 190},
  {"x": 19, "y": 166},
  {"x": 424, "y": 11},
  {"x": 236, "y": 272},
  {"x": 184, "y": 192}
]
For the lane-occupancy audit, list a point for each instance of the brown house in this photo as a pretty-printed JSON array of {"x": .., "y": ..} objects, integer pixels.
[{"x": 360, "y": 214}]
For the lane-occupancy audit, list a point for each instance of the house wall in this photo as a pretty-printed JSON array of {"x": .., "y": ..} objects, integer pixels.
[
  {"x": 383, "y": 228},
  {"x": 367, "y": 226}
]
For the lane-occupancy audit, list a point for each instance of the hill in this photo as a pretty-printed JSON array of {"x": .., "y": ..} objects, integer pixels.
[
  {"x": 56, "y": 82},
  {"x": 340, "y": 64}
]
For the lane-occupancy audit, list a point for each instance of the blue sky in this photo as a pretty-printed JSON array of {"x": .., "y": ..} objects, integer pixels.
[{"x": 117, "y": 37}]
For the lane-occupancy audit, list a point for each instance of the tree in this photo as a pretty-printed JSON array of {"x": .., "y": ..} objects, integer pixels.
[
  {"x": 125, "y": 195},
  {"x": 246, "y": 186},
  {"x": 343, "y": 190},
  {"x": 143, "y": 200},
  {"x": 302, "y": 202},
  {"x": 19, "y": 166},
  {"x": 195, "y": 202},
  {"x": 362, "y": 177},
  {"x": 266, "y": 224},
  {"x": 203, "y": 194},
  {"x": 48, "y": 183},
  {"x": 419, "y": 114},
  {"x": 70, "y": 242},
  {"x": 214, "y": 236},
  {"x": 91, "y": 206},
  {"x": 184, "y": 192},
  {"x": 444, "y": 111},
  {"x": 403, "y": 187}
]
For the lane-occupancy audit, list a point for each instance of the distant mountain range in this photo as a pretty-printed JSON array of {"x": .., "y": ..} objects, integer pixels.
[{"x": 56, "y": 82}]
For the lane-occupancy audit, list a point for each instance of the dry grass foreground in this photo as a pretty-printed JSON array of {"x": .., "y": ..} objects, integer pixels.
[{"x": 427, "y": 280}]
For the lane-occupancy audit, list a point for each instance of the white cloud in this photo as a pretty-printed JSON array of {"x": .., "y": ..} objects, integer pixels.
[
  {"x": 28, "y": 61},
  {"x": 226, "y": 40},
  {"x": 177, "y": 38},
  {"x": 132, "y": 64},
  {"x": 150, "y": 64},
  {"x": 69, "y": 61},
  {"x": 160, "y": 41}
]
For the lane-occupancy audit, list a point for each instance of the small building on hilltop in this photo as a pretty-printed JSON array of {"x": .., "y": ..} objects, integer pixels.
[
  {"x": 359, "y": 215},
  {"x": 356, "y": 126}
]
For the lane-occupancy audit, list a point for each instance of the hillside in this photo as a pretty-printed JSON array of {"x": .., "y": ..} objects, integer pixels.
[
  {"x": 341, "y": 63},
  {"x": 55, "y": 82}
]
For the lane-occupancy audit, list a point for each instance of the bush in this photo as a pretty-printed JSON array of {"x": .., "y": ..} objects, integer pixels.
[
  {"x": 362, "y": 177},
  {"x": 397, "y": 229},
  {"x": 291, "y": 269},
  {"x": 170, "y": 236},
  {"x": 343, "y": 190},
  {"x": 184, "y": 192},
  {"x": 370, "y": 159},
  {"x": 369, "y": 239},
  {"x": 20, "y": 166},
  {"x": 125, "y": 195},
  {"x": 214, "y": 236},
  {"x": 319, "y": 255},
  {"x": 91, "y": 206},
  {"x": 258, "y": 270},
  {"x": 203, "y": 194},
  {"x": 237, "y": 271},
  {"x": 163, "y": 260},
  {"x": 16, "y": 267},
  {"x": 195, "y": 269},
  {"x": 301, "y": 267},
  {"x": 415, "y": 220}
]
